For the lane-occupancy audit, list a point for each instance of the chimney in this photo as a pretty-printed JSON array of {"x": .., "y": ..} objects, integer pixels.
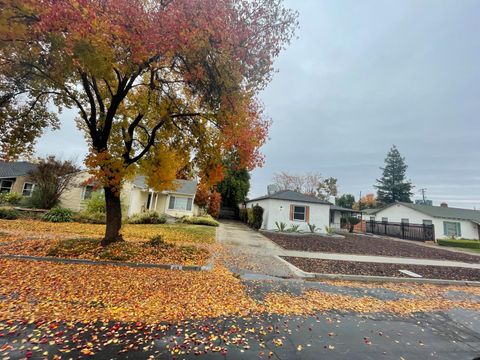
[{"x": 444, "y": 205}]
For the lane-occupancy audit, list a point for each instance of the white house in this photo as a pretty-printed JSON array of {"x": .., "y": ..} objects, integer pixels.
[
  {"x": 292, "y": 208},
  {"x": 177, "y": 203},
  {"x": 448, "y": 222}
]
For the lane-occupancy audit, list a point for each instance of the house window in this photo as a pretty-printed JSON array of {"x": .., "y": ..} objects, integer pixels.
[
  {"x": 5, "y": 186},
  {"x": 405, "y": 221},
  {"x": 87, "y": 192},
  {"x": 372, "y": 218},
  {"x": 27, "y": 189},
  {"x": 451, "y": 228},
  {"x": 427, "y": 222},
  {"x": 299, "y": 213},
  {"x": 384, "y": 219},
  {"x": 180, "y": 203}
]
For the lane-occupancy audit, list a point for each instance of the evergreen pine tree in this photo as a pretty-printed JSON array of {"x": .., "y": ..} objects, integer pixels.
[{"x": 393, "y": 185}]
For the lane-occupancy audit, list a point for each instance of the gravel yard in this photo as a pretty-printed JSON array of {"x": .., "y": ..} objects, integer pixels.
[
  {"x": 380, "y": 269},
  {"x": 366, "y": 245}
]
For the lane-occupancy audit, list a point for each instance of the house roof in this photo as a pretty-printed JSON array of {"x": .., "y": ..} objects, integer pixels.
[
  {"x": 339, "y": 208},
  {"x": 186, "y": 187},
  {"x": 443, "y": 212},
  {"x": 291, "y": 195},
  {"x": 15, "y": 168}
]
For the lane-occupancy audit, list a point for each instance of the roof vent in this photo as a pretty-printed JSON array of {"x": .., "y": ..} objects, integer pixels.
[
  {"x": 444, "y": 205},
  {"x": 272, "y": 189}
]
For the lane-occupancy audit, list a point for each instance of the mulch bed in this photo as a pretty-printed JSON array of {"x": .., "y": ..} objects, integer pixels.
[
  {"x": 366, "y": 245},
  {"x": 381, "y": 269}
]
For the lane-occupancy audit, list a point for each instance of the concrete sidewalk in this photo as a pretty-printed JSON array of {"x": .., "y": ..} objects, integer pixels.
[
  {"x": 262, "y": 252},
  {"x": 378, "y": 259}
]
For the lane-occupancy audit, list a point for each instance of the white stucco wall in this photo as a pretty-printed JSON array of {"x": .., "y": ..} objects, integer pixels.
[
  {"x": 72, "y": 196},
  {"x": 397, "y": 212},
  {"x": 279, "y": 210}
]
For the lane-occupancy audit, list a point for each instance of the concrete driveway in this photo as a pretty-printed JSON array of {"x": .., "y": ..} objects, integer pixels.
[{"x": 248, "y": 252}]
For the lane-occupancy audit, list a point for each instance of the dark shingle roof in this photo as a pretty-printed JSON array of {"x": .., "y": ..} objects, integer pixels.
[
  {"x": 15, "y": 168},
  {"x": 186, "y": 187},
  {"x": 290, "y": 195},
  {"x": 444, "y": 212},
  {"x": 339, "y": 208}
]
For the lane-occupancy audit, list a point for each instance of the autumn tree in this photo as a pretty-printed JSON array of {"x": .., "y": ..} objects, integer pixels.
[
  {"x": 393, "y": 185},
  {"x": 309, "y": 184},
  {"x": 368, "y": 201},
  {"x": 157, "y": 83},
  {"x": 52, "y": 177}
]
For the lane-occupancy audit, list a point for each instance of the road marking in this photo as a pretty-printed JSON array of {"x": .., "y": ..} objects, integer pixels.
[{"x": 410, "y": 273}]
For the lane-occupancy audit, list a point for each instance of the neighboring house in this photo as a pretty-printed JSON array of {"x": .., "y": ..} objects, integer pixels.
[
  {"x": 292, "y": 208},
  {"x": 338, "y": 212},
  {"x": 176, "y": 203},
  {"x": 137, "y": 197},
  {"x": 14, "y": 177},
  {"x": 448, "y": 222}
]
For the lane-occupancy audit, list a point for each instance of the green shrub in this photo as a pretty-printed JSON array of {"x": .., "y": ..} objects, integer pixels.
[
  {"x": 96, "y": 204},
  {"x": 281, "y": 226},
  {"x": 250, "y": 216},
  {"x": 312, "y": 227},
  {"x": 147, "y": 217},
  {"x": 329, "y": 230},
  {"x": 9, "y": 214},
  {"x": 200, "y": 220},
  {"x": 91, "y": 218},
  {"x": 256, "y": 217},
  {"x": 352, "y": 221},
  {"x": 293, "y": 228},
  {"x": 461, "y": 243},
  {"x": 58, "y": 215},
  {"x": 242, "y": 214},
  {"x": 10, "y": 198}
]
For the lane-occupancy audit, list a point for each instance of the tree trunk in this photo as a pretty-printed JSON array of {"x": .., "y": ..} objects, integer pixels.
[{"x": 114, "y": 217}]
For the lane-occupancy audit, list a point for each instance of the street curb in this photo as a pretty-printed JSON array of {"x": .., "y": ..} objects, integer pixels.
[
  {"x": 207, "y": 267},
  {"x": 366, "y": 278}
]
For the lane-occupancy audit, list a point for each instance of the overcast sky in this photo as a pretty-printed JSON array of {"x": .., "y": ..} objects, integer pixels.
[{"x": 361, "y": 76}]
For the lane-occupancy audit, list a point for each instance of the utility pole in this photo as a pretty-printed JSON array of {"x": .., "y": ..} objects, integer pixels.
[{"x": 423, "y": 195}]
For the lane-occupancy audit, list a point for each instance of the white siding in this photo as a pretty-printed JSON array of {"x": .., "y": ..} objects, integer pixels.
[
  {"x": 397, "y": 212},
  {"x": 279, "y": 211}
]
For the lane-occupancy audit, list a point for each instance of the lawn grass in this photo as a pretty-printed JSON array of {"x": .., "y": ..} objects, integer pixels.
[
  {"x": 177, "y": 232},
  {"x": 470, "y": 245}
]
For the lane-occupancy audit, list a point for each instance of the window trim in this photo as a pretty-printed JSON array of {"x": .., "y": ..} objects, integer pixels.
[
  {"x": 189, "y": 202},
  {"x": 11, "y": 185},
  {"x": 405, "y": 221},
  {"x": 429, "y": 222},
  {"x": 31, "y": 190},
  {"x": 458, "y": 228},
  {"x": 296, "y": 212},
  {"x": 384, "y": 219},
  {"x": 84, "y": 192}
]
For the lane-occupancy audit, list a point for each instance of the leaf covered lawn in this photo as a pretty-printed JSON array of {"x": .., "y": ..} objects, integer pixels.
[{"x": 170, "y": 232}]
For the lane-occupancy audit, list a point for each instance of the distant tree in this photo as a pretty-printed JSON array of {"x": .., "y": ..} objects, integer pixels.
[
  {"x": 309, "y": 184},
  {"x": 235, "y": 185},
  {"x": 51, "y": 178},
  {"x": 327, "y": 188},
  {"x": 393, "y": 185},
  {"x": 346, "y": 201},
  {"x": 369, "y": 201}
]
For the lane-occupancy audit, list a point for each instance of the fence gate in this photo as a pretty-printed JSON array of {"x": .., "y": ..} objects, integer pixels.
[{"x": 417, "y": 232}]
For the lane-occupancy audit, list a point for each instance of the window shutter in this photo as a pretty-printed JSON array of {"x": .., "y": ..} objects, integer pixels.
[
  {"x": 291, "y": 212},
  {"x": 459, "y": 230},
  {"x": 307, "y": 214},
  {"x": 445, "y": 228},
  {"x": 189, "y": 204}
]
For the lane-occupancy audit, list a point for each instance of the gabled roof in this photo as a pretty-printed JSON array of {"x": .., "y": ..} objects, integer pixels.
[
  {"x": 15, "y": 168},
  {"x": 290, "y": 195},
  {"x": 442, "y": 212},
  {"x": 186, "y": 187}
]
